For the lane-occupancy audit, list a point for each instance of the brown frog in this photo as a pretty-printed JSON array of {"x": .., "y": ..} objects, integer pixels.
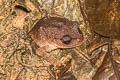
[{"x": 52, "y": 33}]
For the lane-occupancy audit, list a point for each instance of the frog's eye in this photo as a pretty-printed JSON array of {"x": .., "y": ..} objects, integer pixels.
[{"x": 66, "y": 39}]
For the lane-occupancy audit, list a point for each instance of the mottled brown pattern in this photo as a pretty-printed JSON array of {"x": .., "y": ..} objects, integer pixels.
[{"x": 50, "y": 32}]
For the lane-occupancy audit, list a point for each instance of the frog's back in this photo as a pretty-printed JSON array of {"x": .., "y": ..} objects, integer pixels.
[{"x": 39, "y": 29}]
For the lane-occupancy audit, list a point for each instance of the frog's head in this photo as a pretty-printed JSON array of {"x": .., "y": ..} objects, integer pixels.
[
  {"x": 72, "y": 37},
  {"x": 65, "y": 33}
]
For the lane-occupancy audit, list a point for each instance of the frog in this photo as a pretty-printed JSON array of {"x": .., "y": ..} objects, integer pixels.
[{"x": 51, "y": 33}]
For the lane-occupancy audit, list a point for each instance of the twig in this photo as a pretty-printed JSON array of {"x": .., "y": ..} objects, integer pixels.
[
  {"x": 112, "y": 61},
  {"x": 83, "y": 55},
  {"x": 83, "y": 13}
]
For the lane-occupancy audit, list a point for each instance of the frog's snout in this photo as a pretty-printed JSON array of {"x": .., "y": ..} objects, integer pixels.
[{"x": 66, "y": 39}]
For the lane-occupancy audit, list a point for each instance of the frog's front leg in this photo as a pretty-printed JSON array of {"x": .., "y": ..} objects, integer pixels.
[
  {"x": 64, "y": 62},
  {"x": 48, "y": 57},
  {"x": 41, "y": 51},
  {"x": 52, "y": 59}
]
